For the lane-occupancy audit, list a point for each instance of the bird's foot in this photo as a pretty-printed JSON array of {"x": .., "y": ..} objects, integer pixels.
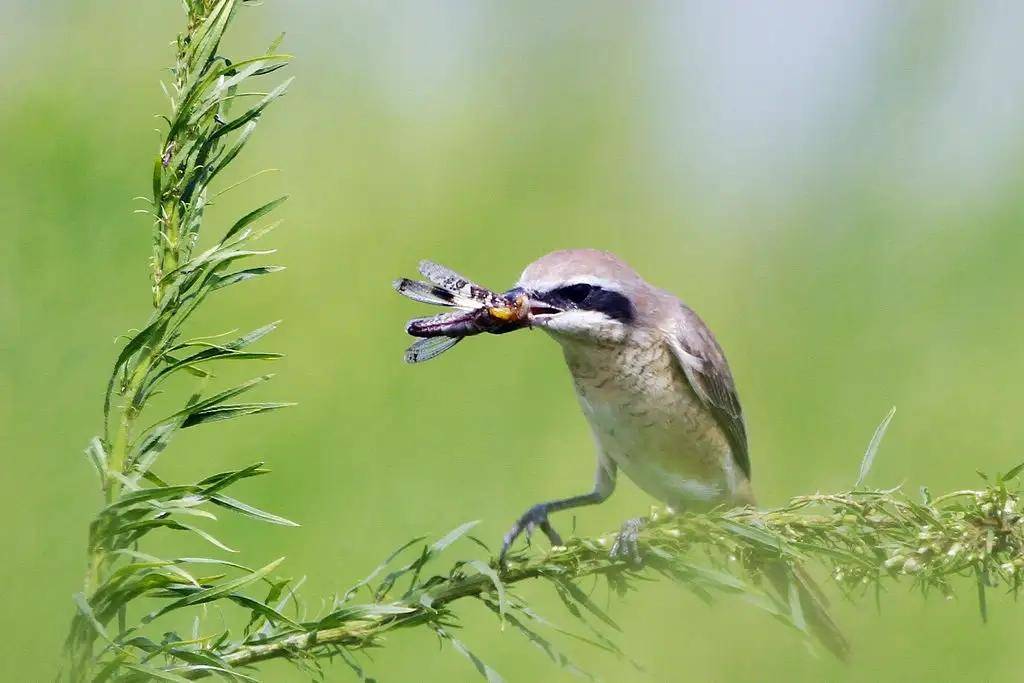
[
  {"x": 534, "y": 518},
  {"x": 625, "y": 546}
]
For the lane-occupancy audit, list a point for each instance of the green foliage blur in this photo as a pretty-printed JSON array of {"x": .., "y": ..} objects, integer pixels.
[{"x": 842, "y": 208}]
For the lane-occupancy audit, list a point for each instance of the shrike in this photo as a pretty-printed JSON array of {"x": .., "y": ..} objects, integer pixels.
[{"x": 653, "y": 384}]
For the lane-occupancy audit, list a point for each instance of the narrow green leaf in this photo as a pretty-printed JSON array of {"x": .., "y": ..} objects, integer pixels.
[
  {"x": 354, "y": 665},
  {"x": 1014, "y": 471},
  {"x": 876, "y": 441},
  {"x": 487, "y": 571},
  {"x": 251, "y": 338},
  {"x": 542, "y": 643},
  {"x": 381, "y": 567},
  {"x": 602, "y": 644},
  {"x": 150, "y": 447},
  {"x": 754, "y": 534},
  {"x": 219, "y": 91},
  {"x": 452, "y": 536},
  {"x": 218, "y": 482},
  {"x": 85, "y": 609},
  {"x": 583, "y": 599},
  {"x": 250, "y": 511},
  {"x": 244, "y": 274},
  {"x": 210, "y": 34},
  {"x": 137, "y": 529},
  {"x": 133, "y": 498},
  {"x": 361, "y": 611},
  {"x": 223, "y": 671},
  {"x": 486, "y": 671},
  {"x": 215, "y": 592},
  {"x": 226, "y": 395},
  {"x": 270, "y": 69},
  {"x": 228, "y": 412},
  {"x": 199, "y": 273},
  {"x": 263, "y": 609},
  {"x": 207, "y": 356},
  {"x": 770, "y": 605},
  {"x": 205, "y": 535},
  {"x": 252, "y": 217},
  {"x": 158, "y": 174},
  {"x": 258, "y": 622},
  {"x": 720, "y": 580},
  {"x": 147, "y": 336},
  {"x": 213, "y": 561},
  {"x": 154, "y": 673},
  {"x": 152, "y": 560},
  {"x": 98, "y": 458},
  {"x": 252, "y": 113},
  {"x": 236, "y": 147},
  {"x": 276, "y": 43},
  {"x": 379, "y": 610},
  {"x": 982, "y": 602},
  {"x": 796, "y": 610}
]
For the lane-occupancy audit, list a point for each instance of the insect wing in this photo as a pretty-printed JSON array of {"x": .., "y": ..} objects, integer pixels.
[
  {"x": 445, "y": 277},
  {"x": 448, "y": 324},
  {"x": 424, "y": 349},
  {"x": 427, "y": 293}
]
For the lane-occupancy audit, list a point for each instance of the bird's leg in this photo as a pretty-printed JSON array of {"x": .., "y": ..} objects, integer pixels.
[
  {"x": 625, "y": 546},
  {"x": 537, "y": 516}
]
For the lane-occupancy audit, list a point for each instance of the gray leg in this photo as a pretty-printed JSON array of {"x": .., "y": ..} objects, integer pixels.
[{"x": 537, "y": 516}]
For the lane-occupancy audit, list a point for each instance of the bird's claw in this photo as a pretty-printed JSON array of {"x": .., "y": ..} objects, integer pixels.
[
  {"x": 534, "y": 518},
  {"x": 626, "y": 546}
]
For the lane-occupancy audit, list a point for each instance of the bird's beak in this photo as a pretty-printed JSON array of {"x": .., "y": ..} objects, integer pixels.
[
  {"x": 540, "y": 308},
  {"x": 521, "y": 309}
]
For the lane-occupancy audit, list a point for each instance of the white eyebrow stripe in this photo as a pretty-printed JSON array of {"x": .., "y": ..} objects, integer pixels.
[{"x": 551, "y": 284}]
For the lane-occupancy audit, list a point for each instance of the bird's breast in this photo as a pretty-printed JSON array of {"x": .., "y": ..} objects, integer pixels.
[{"x": 647, "y": 419}]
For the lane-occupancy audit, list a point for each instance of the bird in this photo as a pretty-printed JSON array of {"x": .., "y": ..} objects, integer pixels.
[{"x": 660, "y": 400}]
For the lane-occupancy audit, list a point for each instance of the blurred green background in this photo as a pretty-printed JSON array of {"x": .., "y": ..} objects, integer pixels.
[{"x": 835, "y": 187}]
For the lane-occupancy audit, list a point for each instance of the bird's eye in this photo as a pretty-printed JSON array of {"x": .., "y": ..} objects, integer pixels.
[
  {"x": 575, "y": 293},
  {"x": 582, "y": 296}
]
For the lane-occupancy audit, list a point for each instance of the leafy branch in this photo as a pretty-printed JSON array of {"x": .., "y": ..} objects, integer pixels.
[
  {"x": 203, "y": 137},
  {"x": 865, "y": 538},
  {"x": 130, "y": 617}
]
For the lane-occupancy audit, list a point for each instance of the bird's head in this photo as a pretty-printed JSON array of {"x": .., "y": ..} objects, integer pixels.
[{"x": 582, "y": 295}]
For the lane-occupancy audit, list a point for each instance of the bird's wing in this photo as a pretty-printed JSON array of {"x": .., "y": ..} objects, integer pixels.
[{"x": 708, "y": 373}]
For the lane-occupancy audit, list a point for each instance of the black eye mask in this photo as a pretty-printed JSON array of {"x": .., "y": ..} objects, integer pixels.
[{"x": 593, "y": 298}]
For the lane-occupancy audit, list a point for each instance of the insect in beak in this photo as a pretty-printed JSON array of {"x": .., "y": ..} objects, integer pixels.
[
  {"x": 476, "y": 310},
  {"x": 514, "y": 311}
]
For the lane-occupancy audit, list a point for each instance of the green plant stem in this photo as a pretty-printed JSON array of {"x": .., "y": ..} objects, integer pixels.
[
  {"x": 359, "y": 634},
  {"x": 122, "y": 440},
  {"x": 118, "y": 459}
]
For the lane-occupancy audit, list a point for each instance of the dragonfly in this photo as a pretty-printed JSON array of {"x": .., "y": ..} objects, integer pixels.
[{"x": 477, "y": 310}]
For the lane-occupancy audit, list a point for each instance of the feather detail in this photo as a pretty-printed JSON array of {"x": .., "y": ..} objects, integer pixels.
[{"x": 708, "y": 374}]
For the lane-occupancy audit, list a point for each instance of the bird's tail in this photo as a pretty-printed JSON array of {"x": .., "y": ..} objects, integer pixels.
[{"x": 793, "y": 582}]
